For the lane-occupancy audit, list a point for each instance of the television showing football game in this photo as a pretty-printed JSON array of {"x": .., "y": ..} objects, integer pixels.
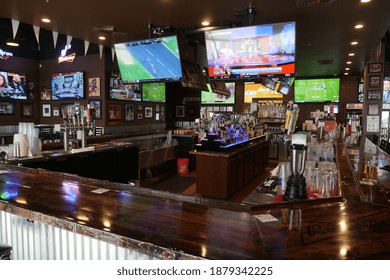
[
  {"x": 154, "y": 92},
  {"x": 67, "y": 85},
  {"x": 251, "y": 52},
  {"x": 150, "y": 60},
  {"x": 317, "y": 90},
  {"x": 210, "y": 97}
]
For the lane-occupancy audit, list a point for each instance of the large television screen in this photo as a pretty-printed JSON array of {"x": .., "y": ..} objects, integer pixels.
[
  {"x": 155, "y": 59},
  {"x": 251, "y": 52},
  {"x": 67, "y": 85},
  {"x": 317, "y": 90},
  {"x": 209, "y": 97},
  {"x": 254, "y": 90},
  {"x": 122, "y": 91},
  {"x": 154, "y": 92},
  {"x": 13, "y": 85}
]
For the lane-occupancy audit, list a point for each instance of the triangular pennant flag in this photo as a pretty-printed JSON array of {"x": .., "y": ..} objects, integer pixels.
[
  {"x": 36, "y": 31},
  {"x": 55, "y": 37},
  {"x": 15, "y": 27},
  {"x": 68, "y": 39},
  {"x": 113, "y": 54},
  {"x": 101, "y": 51},
  {"x": 86, "y": 47}
]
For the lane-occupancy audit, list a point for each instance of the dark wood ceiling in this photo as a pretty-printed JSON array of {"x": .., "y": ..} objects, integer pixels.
[{"x": 325, "y": 28}]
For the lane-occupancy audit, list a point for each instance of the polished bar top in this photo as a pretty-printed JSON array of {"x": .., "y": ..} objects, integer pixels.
[{"x": 181, "y": 227}]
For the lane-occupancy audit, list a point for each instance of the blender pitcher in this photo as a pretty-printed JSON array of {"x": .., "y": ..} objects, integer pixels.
[{"x": 296, "y": 185}]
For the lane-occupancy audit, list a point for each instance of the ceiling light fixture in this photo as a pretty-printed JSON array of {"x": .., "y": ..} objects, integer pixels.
[
  {"x": 359, "y": 26},
  {"x": 347, "y": 69},
  {"x": 354, "y": 43},
  {"x": 45, "y": 20},
  {"x": 346, "y": 73},
  {"x": 365, "y": 1},
  {"x": 349, "y": 62},
  {"x": 205, "y": 23},
  {"x": 12, "y": 44},
  {"x": 102, "y": 38},
  {"x": 351, "y": 54}
]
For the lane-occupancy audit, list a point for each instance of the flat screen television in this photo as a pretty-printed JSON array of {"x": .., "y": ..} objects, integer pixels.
[
  {"x": 150, "y": 60},
  {"x": 154, "y": 92},
  {"x": 254, "y": 90},
  {"x": 68, "y": 85},
  {"x": 317, "y": 90},
  {"x": 210, "y": 97},
  {"x": 251, "y": 52},
  {"x": 122, "y": 91},
  {"x": 13, "y": 85},
  {"x": 284, "y": 85}
]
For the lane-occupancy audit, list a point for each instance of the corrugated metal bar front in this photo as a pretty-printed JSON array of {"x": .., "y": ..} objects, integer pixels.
[{"x": 32, "y": 240}]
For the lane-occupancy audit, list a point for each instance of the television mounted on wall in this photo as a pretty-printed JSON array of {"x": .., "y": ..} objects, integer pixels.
[
  {"x": 13, "y": 85},
  {"x": 150, "y": 60},
  {"x": 122, "y": 91},
  {"x": 154, "y": 92},
  {"x": 317, "y": 90},
  {"x": 68, "y": 85},
  {"x": 210, "y": 97},
  {"x": 251, "y": 52}
]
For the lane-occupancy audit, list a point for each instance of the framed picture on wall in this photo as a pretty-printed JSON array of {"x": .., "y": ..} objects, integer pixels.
[
  {"x": 373, "y": 109},
  {"x": 96, "y": 104},
  {"x": 114, "y": 112},
  {"x": 56, "y": 111},
  {"x": 46, "y": 94},
  {"x": 374, "y": 81},
  {"x": 375, "y": 68},
  {"x": 139, "y": 116},
  {"x": 139, "y": 107},
  {"x": 94, "y": 86},
  {"x": 27, "y": 110},
  {"x": 180, "y": 111},
  {"x": 46, "y": 110},
  {"x": 374, "y": 95},
  {"x": 7, "y": 108},
  {"x": 148, "y": 112},
  {"x": 129, "y": 112}
]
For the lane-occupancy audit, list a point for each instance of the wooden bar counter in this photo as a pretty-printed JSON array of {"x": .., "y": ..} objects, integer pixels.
[
  {"x": 161, "y": 225},
  {"x": 221, "y": 174}
]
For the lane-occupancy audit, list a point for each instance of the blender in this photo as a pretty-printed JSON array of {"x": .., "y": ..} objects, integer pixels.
[{"x": 296, "y": 184}]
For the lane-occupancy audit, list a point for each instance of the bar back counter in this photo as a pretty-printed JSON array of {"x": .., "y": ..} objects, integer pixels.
[{"x": 52, "y": 215}]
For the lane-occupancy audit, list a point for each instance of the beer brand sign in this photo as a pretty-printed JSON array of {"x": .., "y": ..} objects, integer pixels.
[
  {"x": 5, "y": 55},
  {"x": 66, "y": 58}
]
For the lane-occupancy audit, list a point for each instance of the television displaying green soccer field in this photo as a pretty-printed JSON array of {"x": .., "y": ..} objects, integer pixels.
[
  {"x": 210, "y": 97},
  {"x": 317, "y": 90},
  {"x": 154, "y": 92}
]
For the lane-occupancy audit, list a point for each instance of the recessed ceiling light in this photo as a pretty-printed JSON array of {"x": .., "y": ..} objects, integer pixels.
[
  {"x": 349, "y": 62},
  {"x": 347, "y": 69},
  {"x": 46, "y": 20},
  {"x": 346, "y": 73},
  {"x": 359, "y": 26},
  {"x": 205, "y": 23},
  {"x": 351, "y": 54},
  {"x": 354, "y": 43},
  {"x": 102, "y": 38},
  {"x": 13, "y": 44},
  {"x": 365, "y": 1}
]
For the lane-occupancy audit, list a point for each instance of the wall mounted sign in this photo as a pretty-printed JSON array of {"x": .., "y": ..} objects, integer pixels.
[
  {"x": 5, "y": 55},
  {"x": 66, "y": 58}
]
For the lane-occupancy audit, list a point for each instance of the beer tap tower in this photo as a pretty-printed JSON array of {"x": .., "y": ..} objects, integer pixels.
[{"x": 77, "y": 121}]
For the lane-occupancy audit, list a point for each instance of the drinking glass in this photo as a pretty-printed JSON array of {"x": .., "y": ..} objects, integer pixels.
[
  {"x": 370, "y": 167},
  {"x": 295, "y": 219}
]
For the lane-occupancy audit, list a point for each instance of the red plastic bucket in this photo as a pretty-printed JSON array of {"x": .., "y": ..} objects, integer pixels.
[{"x": 182, "y": 166}]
